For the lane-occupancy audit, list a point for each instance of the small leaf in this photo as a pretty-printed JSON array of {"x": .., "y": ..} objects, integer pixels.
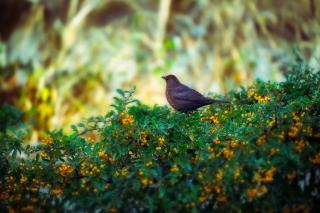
[
  {"x": 121, "y": 92},
  {"x": 162, "y": 191},
  {"x": 74, "y": 128}
]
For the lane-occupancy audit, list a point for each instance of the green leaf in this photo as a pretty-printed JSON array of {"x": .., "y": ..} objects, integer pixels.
[
  {"x": 120, "y": 92},
  {"x": 162, "y": 191}
]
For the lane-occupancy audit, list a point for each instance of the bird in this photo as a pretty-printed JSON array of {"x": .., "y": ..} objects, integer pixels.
[{"x": 182, "y": 98}]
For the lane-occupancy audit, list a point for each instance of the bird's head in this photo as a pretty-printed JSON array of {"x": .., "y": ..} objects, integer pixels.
[{"x": 171, "y": 79}]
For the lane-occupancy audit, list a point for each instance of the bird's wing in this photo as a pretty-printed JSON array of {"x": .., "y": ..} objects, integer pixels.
[{"x": 185, "y": 93}]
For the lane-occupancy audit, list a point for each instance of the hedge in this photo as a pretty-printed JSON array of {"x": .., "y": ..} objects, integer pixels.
[{"x": 260, "y": 152}]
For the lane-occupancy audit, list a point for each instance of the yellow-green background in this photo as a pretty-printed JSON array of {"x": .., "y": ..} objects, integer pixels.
[{"x": 63, "y": 60}]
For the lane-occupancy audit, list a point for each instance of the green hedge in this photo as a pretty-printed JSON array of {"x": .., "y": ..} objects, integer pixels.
[{"x": 261, "y": 152}]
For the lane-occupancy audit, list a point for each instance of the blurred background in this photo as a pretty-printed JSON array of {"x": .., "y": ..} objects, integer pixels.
[{"x": 61, "y": 61}]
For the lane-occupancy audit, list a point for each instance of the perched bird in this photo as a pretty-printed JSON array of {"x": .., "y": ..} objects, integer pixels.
[{"x": 183, "y": 98}]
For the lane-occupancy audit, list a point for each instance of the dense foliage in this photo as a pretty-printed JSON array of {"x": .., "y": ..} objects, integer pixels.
[{"x": 260, "y": 152}]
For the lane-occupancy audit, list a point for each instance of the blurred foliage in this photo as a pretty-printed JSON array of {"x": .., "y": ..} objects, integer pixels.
[
  {"x": 63, "y": 60},
  {"x": 260, "y": 156}
]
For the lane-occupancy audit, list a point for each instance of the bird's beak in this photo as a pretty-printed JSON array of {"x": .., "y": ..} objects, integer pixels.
[{"x": 164, "y": 77}]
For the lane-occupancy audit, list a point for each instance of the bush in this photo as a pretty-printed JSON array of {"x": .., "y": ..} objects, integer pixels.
[{"x": 260, "y": 152}]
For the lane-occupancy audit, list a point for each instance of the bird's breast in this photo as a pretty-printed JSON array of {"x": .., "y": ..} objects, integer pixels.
[{"x": 170, "y": 99}]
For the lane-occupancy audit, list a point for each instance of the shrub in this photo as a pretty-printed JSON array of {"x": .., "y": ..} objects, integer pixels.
[{"x": 260, "y": 152}]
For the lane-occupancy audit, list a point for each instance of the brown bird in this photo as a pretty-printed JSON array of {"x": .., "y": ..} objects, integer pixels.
[{"x": 183, "y": 98}]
